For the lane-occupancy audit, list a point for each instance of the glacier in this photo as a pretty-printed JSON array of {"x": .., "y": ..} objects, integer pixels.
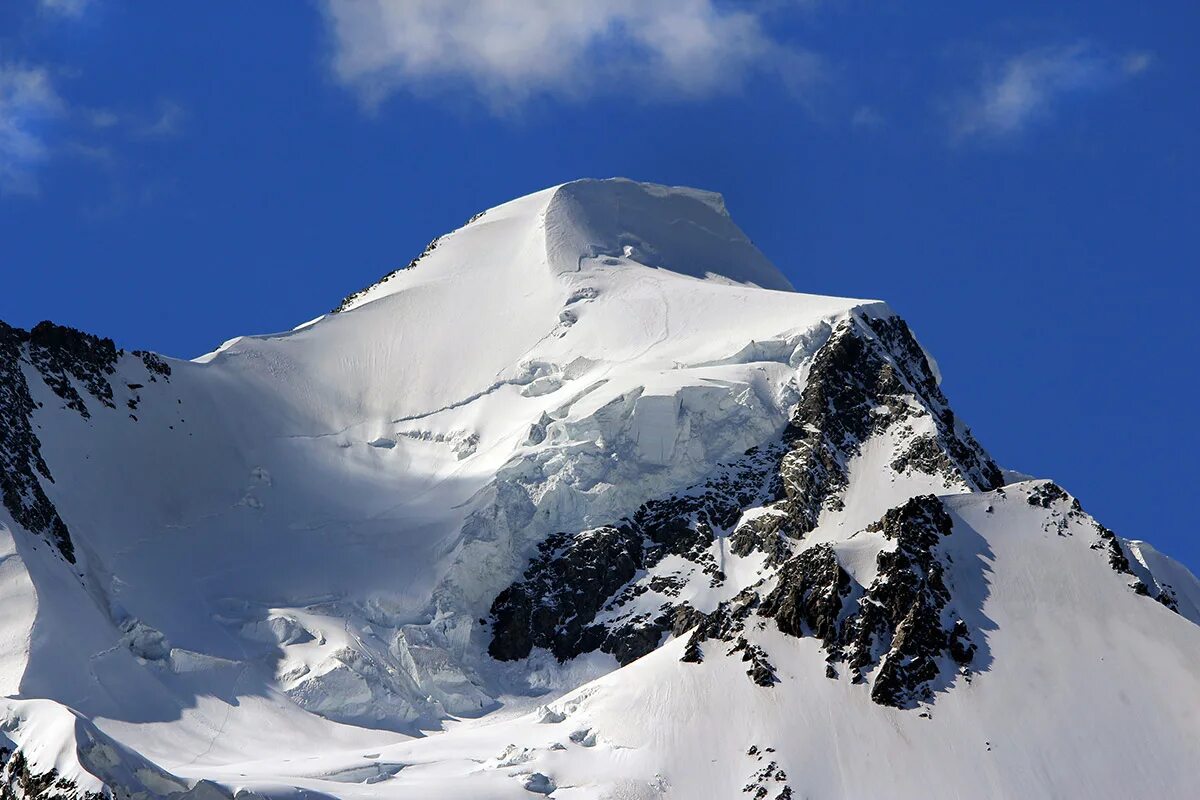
[{"x": 584, "y": 501}]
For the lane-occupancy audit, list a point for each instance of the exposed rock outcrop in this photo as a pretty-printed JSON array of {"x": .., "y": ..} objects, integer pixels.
[
  {"x": 66, "y": 360},
  {"x": 869, "y": 379}
]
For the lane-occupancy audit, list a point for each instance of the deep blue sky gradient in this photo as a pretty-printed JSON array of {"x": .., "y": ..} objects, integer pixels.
[{"x": 1052, "y": 270}]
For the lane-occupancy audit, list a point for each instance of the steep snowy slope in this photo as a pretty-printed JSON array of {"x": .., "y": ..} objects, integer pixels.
[{"x": 586, "y": 501}]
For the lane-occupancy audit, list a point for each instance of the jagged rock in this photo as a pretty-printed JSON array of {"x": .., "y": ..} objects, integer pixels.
[
  {"x": 962, "y": 649},
  {"x": 64, "y": 358},
  {"x": 869, "y": 376},
  {"x": 155, "y": 365},
  {"x": 562, "y": 592},
  {"x": 764, "y": 534},
  {"x": 809, "y": 597},
  {"x": 1168, "y": 599},
  {"x": 19, "y": 782},
  {"x": 684, "y": 618},
  {"x": 1116, "y": 555},
  {"x": 59, "y": 354},
  {"x": 1111, "y": 544},
  {"x": 21, "y": 459},
  {"x": 349, "y": 299},
  {"x": 923, "y": 455},
  {"x": 898, "y": 624},
  {"x": 857, "y": 389},
  {"x": 1046, "y": 494},
  {"x": 765, "y": 781},
  {"x": 902, "y": 611},
  {"x": 685, "y": 524},
  {"x": 761, "y": 671},
  {"x": 725, "y": 623}
]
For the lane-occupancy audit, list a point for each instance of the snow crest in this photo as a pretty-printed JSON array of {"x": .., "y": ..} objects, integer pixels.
[{"x": 583, "y": 501}]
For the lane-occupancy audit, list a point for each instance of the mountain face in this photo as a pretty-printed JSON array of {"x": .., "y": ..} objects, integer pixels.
[{"x": 586, "y": 501}]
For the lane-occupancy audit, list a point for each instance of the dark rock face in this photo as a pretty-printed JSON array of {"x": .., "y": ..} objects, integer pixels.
[
  {"x": 724, "y": 623},
  {"x": 64, "y": 358},
  {"x": 21, "y": 459},
  {"x": 154, "y": 365},
  {"x": 1109, "y": 543},
  {"x": 965, "y": 455},
  {"x": 899, "y": 624},
  {"x": 763, "y": 534},
  {"x": 727, "y": 623},
  {"x": 1047, "y": 494},
  {"x": 63, "y": 353},
  {"x": 19, "y": 782},
  {"x": 686, "y": 524},
  {"x": 1167, "y": 597},
  {"x": 870, "y": 378},
  {"x": 923, "y": 455},
  {"x": 810, "y": 597},
  {"x": 563, "y": 590},
  {"x": 902, "y": 624},
  {"x": 902, "y": 613},
  {"x": 573, "y": 578}
]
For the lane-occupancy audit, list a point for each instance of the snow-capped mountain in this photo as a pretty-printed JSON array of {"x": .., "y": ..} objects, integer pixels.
[{"x": 586, "y": 501}]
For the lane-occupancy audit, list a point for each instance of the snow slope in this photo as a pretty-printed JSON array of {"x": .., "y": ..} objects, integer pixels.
[{"x": 454, "y": 538}]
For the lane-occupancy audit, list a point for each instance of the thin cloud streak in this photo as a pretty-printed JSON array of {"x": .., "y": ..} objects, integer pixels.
[
  {"x": 28, "y": 103},
  {"x": 66, "y": 8},
  {"x": 38, "y": 125},
  {"x": 1029, "y": 86}
]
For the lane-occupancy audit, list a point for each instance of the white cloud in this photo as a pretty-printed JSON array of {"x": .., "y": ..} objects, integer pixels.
[
  {"x": 510, "y": 50},
  {"x": 28, "y": 103},
  {"x": 1028, "y": 86},
  {"x": 67, "y": 8}
]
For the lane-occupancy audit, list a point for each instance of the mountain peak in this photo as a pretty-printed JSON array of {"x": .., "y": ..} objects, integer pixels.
[
  {"x": 589, "y": 223},
  {"x": 592, "y": 224},
  {"x": 583, "y": 463}
]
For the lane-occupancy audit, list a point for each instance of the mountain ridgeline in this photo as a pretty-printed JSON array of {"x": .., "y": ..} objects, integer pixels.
[{"x": 585, "y": 501}]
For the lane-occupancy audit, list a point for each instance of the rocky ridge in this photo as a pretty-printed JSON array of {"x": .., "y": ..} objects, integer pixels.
[
  {"x": 869, "y": 379},
  {"x": 66, "y": 360},
  {"x": 616, "y": 588},
  {"x": 689, "y": 514}
]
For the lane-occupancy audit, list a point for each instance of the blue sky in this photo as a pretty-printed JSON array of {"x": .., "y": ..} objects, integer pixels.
[{"x": 1019, "y": 180}]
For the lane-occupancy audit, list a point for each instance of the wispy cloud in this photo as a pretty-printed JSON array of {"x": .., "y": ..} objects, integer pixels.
[
  {"x": 67, "y": 8},
  {"x": 37, "y": 125},
  {"x": 511, "y": 50},
  {"x": 28, "y": 103},
  {"x": 166, "y": 122},
  {"x": 1029, "y": 86},
  {"x": 163, "y": 122}
]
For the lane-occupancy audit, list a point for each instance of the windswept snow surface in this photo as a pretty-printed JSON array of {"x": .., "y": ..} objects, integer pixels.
[{"x": 287, "y": 552}]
